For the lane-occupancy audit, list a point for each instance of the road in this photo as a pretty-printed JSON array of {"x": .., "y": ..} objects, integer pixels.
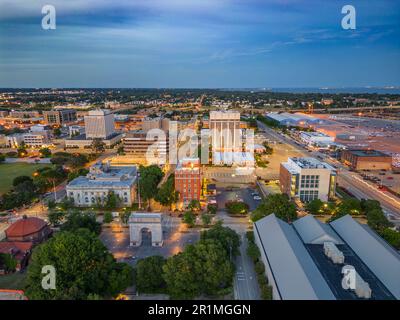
[
  {"x": 245, "y": 281},
  {"x": 350, "y": 180}
]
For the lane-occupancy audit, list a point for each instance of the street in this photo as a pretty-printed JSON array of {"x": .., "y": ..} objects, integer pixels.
[{"x": 245, "y": 282}]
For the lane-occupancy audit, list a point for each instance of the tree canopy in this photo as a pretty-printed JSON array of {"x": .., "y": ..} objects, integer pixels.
[
  {"x": 78, "y": 220},
  {"x": 149, "y": 272},
  {"x": 150, "y": 177},
  {"x": 83, "y": 267},
  {"x": 279, "y": 204},
  {"x": 203, "y": 268},
  {"x": 167, "y": 195}
]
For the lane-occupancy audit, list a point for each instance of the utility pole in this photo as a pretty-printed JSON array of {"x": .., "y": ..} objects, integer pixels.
[{"x": 138, "y": 176}]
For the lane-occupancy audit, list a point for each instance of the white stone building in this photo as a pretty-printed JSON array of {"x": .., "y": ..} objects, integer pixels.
[{"x": 92, "y": 189}]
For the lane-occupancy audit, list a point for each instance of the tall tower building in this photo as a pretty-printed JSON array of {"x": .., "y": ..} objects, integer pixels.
[
  {"x": 225, "y": 131},
  {"x": 99, "y": 124}
]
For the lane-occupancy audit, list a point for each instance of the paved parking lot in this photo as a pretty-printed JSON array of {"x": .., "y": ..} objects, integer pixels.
[
  {"x": 232, "y": 194},
  {"x": 176, "y": 237}
]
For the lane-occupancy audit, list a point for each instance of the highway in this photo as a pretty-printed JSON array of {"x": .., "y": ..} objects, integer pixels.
[{"x": 350, "y": 180}]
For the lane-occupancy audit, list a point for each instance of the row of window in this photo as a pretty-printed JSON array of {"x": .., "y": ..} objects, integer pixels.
[{"x": 308, "y": 195}]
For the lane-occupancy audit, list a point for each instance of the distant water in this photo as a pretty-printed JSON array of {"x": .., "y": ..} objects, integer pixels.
[{"x": 379, "y": 90}]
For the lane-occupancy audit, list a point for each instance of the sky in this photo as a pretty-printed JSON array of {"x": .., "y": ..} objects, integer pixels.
[{"x": 199, "y": 44}]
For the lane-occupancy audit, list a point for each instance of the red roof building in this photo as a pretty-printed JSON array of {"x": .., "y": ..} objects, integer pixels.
[{"x": 30, "y": 229}]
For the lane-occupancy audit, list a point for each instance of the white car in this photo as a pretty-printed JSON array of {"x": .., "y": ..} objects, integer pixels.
[{"x": 257, "y": 198}]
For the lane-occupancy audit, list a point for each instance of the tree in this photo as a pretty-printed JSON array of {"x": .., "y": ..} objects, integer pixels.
[
  {"x": 237, "y": 207},
  {"x": 20, "y": 179},
  {"x": 279, "y": 204},
  {"x": 112, "y": 200},
  {"x": 392, "y": 237},
  {"x": 167, "y": 195},
  {"x": 45, "y": 152},
  {"x": 194, "y": 205},
  {"x": 203, "y": 268},
  {"x": 212, "y": 209},
  {"x": 253, "y": 252},
  {"x": 2, "y": 157},
  {"x": 149, "y": 274},
  {"x": 227, "y": 237},
  {"x": 206, "y": 219},
  {"x": 22, "y": 152},
  {"x": 98, "y": 145},
  {"x": 120, "y": 150},
  {"x": 259, "y": 267},
  {"x": 51, "y": 204},
  {"x": 150, "y": 177},
  {"x": 84, "y": 267},
  {"x": 350, "y": 206},
  {"x": 315, "y": 206},
  {"x": 189, "y": 218},
  {"x": 67, "y": 203},
  {"x": 77, "y": 220},
  {"x": 55, "y": 217},
  {"x": 57, "y": 132},
  {"x": 377, "y": 220},
  {"x": 77, "y": 173},
  {"x": 124, "y": 216},
  {"x": 8, "y": 262},
  {"x": 108, "y": 218}
]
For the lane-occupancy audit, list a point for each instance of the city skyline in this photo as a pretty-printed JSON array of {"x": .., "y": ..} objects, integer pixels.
[{"x": 200, "y": 44}]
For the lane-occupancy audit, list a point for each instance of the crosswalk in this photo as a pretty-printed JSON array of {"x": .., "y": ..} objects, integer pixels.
[{"x": 240, "y": 276}]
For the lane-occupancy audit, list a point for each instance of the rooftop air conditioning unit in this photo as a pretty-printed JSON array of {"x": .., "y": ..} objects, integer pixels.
[{"x": 332, "y": 252}]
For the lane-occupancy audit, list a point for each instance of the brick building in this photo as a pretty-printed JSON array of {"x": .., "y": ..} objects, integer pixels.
[
  {"x": 361, "y": 159},
  {"x": 188, "y": 177}
]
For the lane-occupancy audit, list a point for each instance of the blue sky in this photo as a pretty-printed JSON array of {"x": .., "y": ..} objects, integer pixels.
[{"x": 199, "y": 43}]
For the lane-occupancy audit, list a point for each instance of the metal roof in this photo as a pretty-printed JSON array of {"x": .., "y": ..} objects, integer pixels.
[
  {"x": 296, "y": 276},
  {"x": 380, "y": 258},
  {"x": 313, "y": 231}
]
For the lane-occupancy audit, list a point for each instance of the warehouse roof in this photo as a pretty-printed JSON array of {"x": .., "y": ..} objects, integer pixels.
[
  {"x": 380, "y": 258},
  {"x": 312, "y": 231},
  {"x": 295, "y": 274}
]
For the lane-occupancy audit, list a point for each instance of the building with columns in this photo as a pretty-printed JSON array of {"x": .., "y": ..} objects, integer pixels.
[{"x": 101, "y": 180}]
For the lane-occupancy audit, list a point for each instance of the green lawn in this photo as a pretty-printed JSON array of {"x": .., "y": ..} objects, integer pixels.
[
  {"x": 13, "y": 281},
  {"x": 8, "y": 171}
]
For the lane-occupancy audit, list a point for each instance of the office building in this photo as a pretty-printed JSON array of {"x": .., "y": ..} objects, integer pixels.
[
  {"x": 141, "y": 147},
  {"x": 188, "y": 177},
  {"x": 102, "y": 179},
  {"x": 59, "y": 117},
  {"x": 305, "y": 260},
  {"x": 307, "y": 179},
  {"x": 24, "y": 114},
  {"x": 361, "y": 159},
  {"x": 38, "y": 136},
  {"x": 99, "y": 124}
]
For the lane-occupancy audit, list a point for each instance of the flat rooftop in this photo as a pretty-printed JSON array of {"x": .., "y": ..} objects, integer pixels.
[
  {"x": 368, "y": 153},
  {"x": 308, "y": 163}
]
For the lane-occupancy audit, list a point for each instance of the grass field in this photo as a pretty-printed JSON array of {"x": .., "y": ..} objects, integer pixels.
[{"x": 8, "y": 171}]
